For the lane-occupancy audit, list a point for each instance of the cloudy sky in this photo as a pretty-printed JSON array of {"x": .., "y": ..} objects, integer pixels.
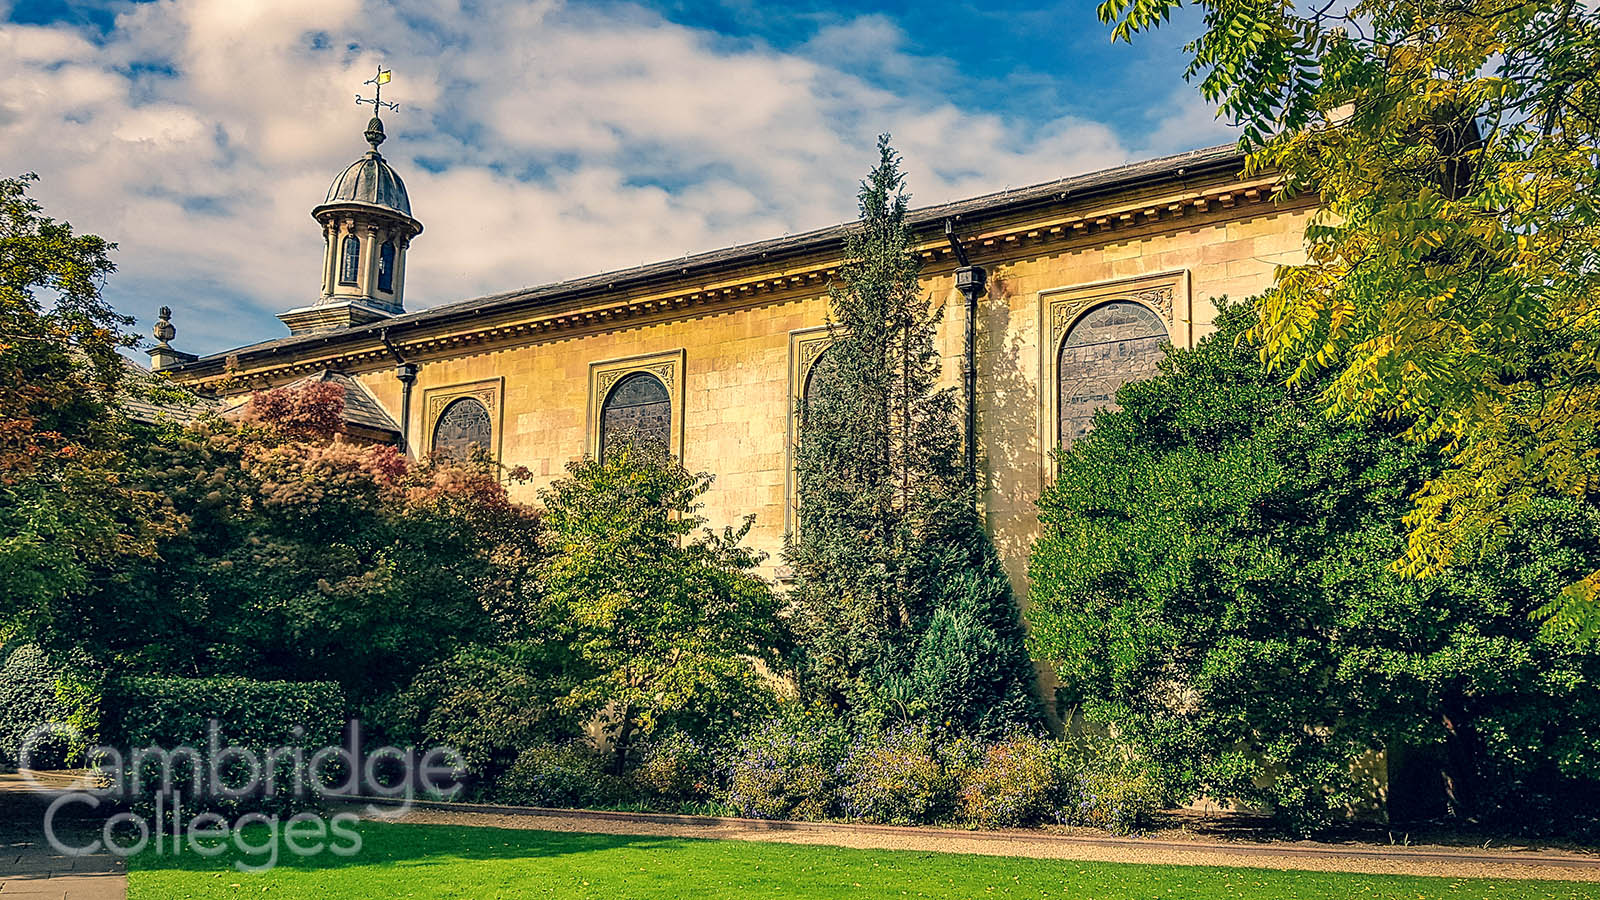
[{"x": 541, "y": 140}]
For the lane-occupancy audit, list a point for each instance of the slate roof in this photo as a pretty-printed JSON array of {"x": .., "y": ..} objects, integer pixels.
[
  {"x": 360, "y": 407},
  {"x": 140, "y": 407},
  {"x": 1223, "y": 159}
]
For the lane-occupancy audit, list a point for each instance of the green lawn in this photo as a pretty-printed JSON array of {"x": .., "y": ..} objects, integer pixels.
[{"x": 429, "y": 861}]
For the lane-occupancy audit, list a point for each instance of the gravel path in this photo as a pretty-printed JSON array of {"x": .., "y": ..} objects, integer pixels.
[{"x": 1362, "y": 858}]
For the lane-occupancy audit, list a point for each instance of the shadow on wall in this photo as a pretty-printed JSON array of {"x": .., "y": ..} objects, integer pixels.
[{"x": 1008, "y": 421}]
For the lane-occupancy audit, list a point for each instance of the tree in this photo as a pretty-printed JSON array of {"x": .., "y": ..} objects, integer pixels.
[
  {"x": 305, "y": 559},
  {"x": 65, "y": 511},
  {"x": 1213, "y": 583},
  {"x": 1454, "y": 276},
  {"x": 888, "y": 539},
  {"x": 662, "y": 627}
]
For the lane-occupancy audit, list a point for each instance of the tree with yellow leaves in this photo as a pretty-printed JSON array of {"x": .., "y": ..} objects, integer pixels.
[{"x": 1452, "y": 279}]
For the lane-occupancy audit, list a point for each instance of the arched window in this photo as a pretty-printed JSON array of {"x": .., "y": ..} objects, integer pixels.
[
  {"x": 386, "y": 267},
  {"x": 821, "y": 370},
  {"x": 350, "y": 260},
  {"x": 637, "y": 412},
  {"x": 1107, "y": 347},
  {"x": 465, "y": 423}
]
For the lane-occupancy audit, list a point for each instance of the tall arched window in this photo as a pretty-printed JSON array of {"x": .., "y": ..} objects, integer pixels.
[
  {"x": 350, "y": 260},
  {"x": 637, "y": 412},
  {"x": 463, "y": 425},
  {"x": 386, "y": 267},
  {"x": 1109, "y": 346}
]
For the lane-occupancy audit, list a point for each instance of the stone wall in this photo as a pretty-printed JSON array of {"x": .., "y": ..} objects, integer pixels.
[{"x": 733, "y": 372}]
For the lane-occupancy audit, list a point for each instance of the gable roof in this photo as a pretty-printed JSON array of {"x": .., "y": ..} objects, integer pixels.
[
  {"x": 1212, "y": 161},
  {"x": 360, "y": 407}
]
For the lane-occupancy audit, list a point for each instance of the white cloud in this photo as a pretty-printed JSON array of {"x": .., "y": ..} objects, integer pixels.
[{"x": 539, "y": 141}]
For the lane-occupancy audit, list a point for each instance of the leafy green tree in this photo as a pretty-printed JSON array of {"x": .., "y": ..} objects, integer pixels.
[
  {"x": 65, "y": 511},
  {"x": 899, "y": 600},
  {"x": 663, "y": 627},
  {"x": 1454, "y": 277},
  {"x": 1213, "y": 584}
]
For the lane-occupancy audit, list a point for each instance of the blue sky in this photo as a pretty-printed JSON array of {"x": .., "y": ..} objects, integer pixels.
[{"x": 541, "y": 140}]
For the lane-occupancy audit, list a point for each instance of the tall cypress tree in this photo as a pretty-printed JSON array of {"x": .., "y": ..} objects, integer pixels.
[{"x": 900, "y": 603}]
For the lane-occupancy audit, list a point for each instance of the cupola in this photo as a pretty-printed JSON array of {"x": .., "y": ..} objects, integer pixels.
[{"x": 367, "y": 228}]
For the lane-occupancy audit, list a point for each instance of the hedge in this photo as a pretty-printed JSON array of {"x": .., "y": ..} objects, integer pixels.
[
  {"x": 260, "y": 716},
  {"x": 172, "y": 712}
]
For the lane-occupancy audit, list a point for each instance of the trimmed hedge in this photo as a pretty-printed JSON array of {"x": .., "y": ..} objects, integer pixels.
[
  {"x": 171, "y": 712},
  {"x": 258, "y": 716}
]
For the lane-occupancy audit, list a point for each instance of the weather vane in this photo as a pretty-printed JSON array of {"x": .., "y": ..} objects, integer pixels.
[
  {"x": 374, "y": 132},
  {"x": 378, "y": 81}
]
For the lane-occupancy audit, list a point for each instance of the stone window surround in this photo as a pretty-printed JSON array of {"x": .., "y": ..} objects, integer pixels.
[
  {"x": 490, "y": 392},
  {"x": 1168, "y": 294},
  {"x": 604, "y": 375},
  {"x": 806, "y": 346}
]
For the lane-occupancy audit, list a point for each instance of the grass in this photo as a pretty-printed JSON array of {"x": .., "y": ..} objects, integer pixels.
[{"x": 436, "y": 861}]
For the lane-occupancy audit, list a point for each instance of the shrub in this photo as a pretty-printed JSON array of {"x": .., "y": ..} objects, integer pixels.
[
  {"x": 1018, "y": 782},
  {"x": 487, "y": 702},
  {"x": 679, "y": 768},
  {"x": 572, "y": 774},
  {"x": 260, "y": 716},
  {"x": 37, "y": 691},
  {"x": 1114, "y": 787},
  {"x": 896, "y": 777},
  {"x": 788, "y": 769}
]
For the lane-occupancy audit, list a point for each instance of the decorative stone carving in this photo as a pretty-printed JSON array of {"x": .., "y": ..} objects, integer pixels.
[{"x": 1064, "y": 312}]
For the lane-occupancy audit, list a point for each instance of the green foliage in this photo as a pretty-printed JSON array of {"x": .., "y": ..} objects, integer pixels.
[
  {"x": 678, "y": 768},
  {"x": 896, "y": 777},
  {"x": 169, "y": 712},
  {"x": 66, "y": 513},
  {"x": 302, "y": 559},
  {"x": 1213, "y": 582},
  {"x": 971, "y": 671},
  {"x": 1453, "y": 278},
  {"x": 175, "y": 716},
  {"x": 1017, "y": 782},
  {"x": 57, "y": 704},
  {"x": 888, "y": 540},
  {"x": 488, "y": 702},
  {"x": 664, "y": 627},
  {"x": 569, "y": 775},
  {"x": 789, "y": 768},
  {"x": 1114, "y": 787}
]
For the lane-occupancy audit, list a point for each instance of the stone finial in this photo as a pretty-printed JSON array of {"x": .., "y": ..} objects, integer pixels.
[
  {"x": 162, "y": 355},
  {"x": 374, "y": 133},
  {"x": 164, "y": 331}
]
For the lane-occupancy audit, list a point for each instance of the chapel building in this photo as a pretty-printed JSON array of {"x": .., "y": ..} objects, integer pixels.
[{"x": 1073, "y": 288}]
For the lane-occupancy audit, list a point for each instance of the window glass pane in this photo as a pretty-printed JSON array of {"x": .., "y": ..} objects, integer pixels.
[
  {"x": 350, "y": 264},
  {"x": 1108, "y": 346},
  {"x": 386, "y": 267},
  {"x": 465, "y": 423},
  {"x": 637, "y": 412}
]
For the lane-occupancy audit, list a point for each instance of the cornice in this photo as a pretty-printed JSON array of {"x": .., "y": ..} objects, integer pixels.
[{"x": 1017, "y": 237}]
